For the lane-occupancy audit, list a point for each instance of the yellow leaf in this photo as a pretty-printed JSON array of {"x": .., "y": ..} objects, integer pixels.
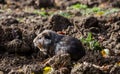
[
  {"x": 118, "y": 63},
  {"x": 105, "y": 52},
  {"x": 47, "y": 70},
  {"x": 20, "y": 70},
  {"x": 32, "y": 73},
  {"x": 98, "y": 14}
]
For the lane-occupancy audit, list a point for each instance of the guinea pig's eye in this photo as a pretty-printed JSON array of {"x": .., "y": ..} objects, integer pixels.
[
  {"x": 47, "y": 37},
  {"x": 39, "y": 37}
]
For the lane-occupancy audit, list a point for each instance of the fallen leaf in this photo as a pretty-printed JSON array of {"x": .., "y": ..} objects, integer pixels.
[
  {"x": 48, "y": 70},
  {"x": 105, "y": 53},
  {"x": 60, "y": 32}
]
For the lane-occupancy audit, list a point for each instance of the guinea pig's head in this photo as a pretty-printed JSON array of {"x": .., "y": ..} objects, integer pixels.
[{"x": 45, "y": 40}]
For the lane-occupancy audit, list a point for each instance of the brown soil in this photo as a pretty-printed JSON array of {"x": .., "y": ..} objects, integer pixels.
[{"x": 18, "y": 28}]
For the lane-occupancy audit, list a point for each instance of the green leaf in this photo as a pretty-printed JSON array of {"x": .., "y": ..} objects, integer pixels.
[
  {"x": 89, "y": 37},
  {"x": 40, "y": 12},
  {"x": 90, "y": 42},
  {"x": 96, "y": 44},
  {"x": 96, "y": 9},
  {"x": 65, "y": 14},
  {"x": 82, "y": 40}
]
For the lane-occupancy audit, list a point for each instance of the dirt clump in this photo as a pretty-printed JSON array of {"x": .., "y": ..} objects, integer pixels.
[
  {"x": 84, "y": 68},
  {"x": 59, "y": 23},
  {"x": 17, "y": 46},
  {"x": 9, "y": 21}
]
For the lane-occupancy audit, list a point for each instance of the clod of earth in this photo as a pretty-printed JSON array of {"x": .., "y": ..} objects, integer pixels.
[
  {"x": 17, "y": 46},
  {"x": 59, "y": 22}
]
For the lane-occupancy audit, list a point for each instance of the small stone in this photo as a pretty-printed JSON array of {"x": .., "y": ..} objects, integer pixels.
[{"x": 1, "y": 72}]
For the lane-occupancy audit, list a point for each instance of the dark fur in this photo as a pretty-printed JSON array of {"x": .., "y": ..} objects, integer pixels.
[{"x": 53, "y": 43}]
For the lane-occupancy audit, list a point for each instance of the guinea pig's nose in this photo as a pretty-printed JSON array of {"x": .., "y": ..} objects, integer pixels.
[
  {"x": 35, "y": 41},
  {"x": 35, "y": 44},
  {"x": 40, "y": 41}
]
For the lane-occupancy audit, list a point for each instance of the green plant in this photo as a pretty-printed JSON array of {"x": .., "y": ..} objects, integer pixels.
[
  {"x": 65, "y": 14},
  {"x": 96, "y": 9},
  {"x": 78, "y": 6},
  {"x": 90, "y": 42},
  {"x": 112, "y": 10},
  {"x": 20, "y": 19},
  {"x": 42, "y": 13}
]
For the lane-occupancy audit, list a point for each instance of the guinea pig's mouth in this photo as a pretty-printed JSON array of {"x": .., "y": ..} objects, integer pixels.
[
  {"x": 41, "y": 48},
  {"x": 39, "y": 45}
]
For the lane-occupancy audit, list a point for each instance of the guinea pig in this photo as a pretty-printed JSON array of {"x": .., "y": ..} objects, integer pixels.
[{"x": 51, "y": 43}]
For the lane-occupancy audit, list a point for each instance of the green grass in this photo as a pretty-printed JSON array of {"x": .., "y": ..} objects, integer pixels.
[{"x": 85, "y": 10}]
